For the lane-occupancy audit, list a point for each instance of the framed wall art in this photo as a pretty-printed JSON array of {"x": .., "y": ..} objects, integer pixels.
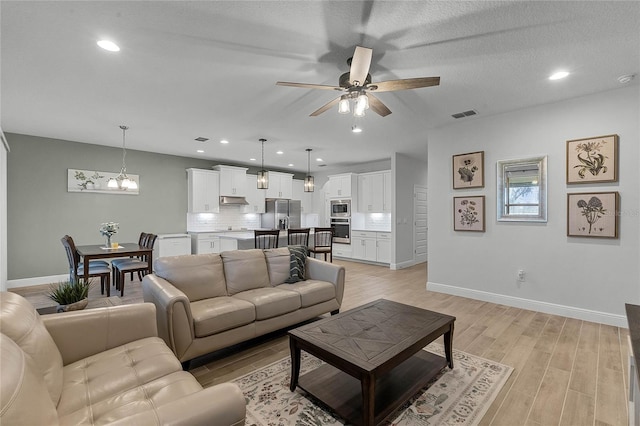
[
  {"x": 593, "y": 214},
  {"x": 592, "y": 160},
  {"x": 468, "y": 213},
  {"x": 468, "y": 170},
  {"x": 92, "y": 181}
]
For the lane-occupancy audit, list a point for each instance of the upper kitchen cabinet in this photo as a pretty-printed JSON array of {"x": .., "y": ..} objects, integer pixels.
[
  {"x": 374, "y": 192},
  {"x": 203, "y": 191},
  {"x": 233, "y": 181},
  {"x": 280, "y": 185},
  {"x": 306, "y": 198},
  {"x": 343, "y": 185},
  {"x": 255, "y": 196}
]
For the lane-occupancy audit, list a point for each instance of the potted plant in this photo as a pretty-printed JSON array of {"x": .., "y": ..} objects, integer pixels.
[{"x": 70, "y": 295}]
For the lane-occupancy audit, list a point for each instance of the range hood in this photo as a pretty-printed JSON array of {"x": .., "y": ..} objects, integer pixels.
[{"x": 232, "y": 201}]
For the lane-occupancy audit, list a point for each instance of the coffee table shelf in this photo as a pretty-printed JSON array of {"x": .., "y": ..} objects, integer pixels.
[{"x": 343, "y": 393}]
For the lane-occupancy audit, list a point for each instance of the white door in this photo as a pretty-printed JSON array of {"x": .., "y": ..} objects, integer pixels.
[{"x": 420, "y": 223}]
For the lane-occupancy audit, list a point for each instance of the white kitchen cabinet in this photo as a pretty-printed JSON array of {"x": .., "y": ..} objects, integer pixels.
[
  {"x": 227, "y": 244},
  {"x": 342, "y": 250},
  {"x": 254, "y": 196},
  {"x": 374, "y": 192},
  {"x": 383, "y": 247},
  {"x": 205, "y": 243},
  {"x": 203, "y": 191},
  {"x": 343, "y": 185},
  {"x": 233, "y": 180},
  {"x": 280, "y": 185},
  {"x": 306, "y": 198}
]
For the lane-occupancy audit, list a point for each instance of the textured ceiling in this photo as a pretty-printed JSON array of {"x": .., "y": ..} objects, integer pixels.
[{"x": 208, "y": 68}]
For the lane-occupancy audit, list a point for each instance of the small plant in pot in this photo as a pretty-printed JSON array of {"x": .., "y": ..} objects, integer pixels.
[{"x": 70, "y": 295}]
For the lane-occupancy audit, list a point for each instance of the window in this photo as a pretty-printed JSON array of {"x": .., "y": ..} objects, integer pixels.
[{"x": 522, "y": 190}]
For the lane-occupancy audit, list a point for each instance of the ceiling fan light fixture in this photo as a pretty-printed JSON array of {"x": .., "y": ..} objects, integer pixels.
[
  {"x": 343, "y": 105},
  {"x": 263, "y": 175}
]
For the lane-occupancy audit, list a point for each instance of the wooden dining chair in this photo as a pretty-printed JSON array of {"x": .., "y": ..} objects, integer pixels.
[
  {"x": 139, "y": 265},
  {"x": 141, "y": 242},
  {"x": 97, "y": 268},
  {"x": 298, "y": 237},
  {"x": 322, "y": 243},
  {"x": 266, "y": 239}
]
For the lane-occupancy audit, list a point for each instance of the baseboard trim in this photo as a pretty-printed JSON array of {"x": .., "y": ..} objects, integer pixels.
[
  {"x": 29, "y": 282},
  {"x": 534, "y": 305},
  {"x": 406, "y": 264}
]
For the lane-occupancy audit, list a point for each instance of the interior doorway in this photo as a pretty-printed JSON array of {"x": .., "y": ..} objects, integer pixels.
[{"x": 420, "y": 223}]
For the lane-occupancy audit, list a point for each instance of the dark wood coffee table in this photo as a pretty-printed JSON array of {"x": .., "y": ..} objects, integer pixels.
[{"x": 374, "y": 358}]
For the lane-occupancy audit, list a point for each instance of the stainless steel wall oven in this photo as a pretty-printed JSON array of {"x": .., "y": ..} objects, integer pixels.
[{"x": 341, "y": 230}]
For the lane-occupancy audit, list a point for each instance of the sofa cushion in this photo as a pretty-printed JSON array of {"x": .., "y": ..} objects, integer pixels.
[
  {"x": 245, "y": 270},
  {"x": 311, "y": 292},
  {"x": 24, "y": 397},
  {"x": 297, "y": 263},
  {"x": 215, "y": 315},
  {"x": 106, "y": 376},
  {"x": 271, "y": 302},
  {"x": 278, "y": 264},
  {"x": 198, "y": 276},
  {"x": 22, "y": 324}
]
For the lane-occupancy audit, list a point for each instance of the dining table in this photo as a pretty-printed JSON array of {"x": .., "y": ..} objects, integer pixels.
[{"x": 99, "y": 251}]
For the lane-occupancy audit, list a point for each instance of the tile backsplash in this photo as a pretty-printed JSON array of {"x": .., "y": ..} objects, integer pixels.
[
  {"x": 377, "y": 221},
  {"x": 229, "y": 216}
]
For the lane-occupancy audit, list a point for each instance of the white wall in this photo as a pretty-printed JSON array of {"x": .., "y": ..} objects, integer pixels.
[
  {"x": 578, "y": 277},
  {"x": 3, "y": 212}
]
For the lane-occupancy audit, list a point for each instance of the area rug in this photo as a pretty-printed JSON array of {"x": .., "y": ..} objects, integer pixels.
[{"x": 455, "y": 397}]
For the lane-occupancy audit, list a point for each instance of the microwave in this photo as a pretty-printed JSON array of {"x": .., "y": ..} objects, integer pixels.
[{"x": 340, "y": 208}]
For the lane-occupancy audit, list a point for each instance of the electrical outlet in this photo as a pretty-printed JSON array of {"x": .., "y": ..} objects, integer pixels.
[{"x": 521, "y": 275}]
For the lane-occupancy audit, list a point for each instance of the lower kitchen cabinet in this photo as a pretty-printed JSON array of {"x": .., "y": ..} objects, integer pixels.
[
  {"x": 371, "y": 246},
  {"x": 205, "y": 243},
  {"x": 341, "y": 250}
]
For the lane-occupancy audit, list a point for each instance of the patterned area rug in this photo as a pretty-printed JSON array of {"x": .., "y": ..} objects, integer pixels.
[{"x": 455, "y": 397}]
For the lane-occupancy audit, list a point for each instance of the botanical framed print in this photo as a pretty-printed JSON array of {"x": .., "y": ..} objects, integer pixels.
[
  {"x": 468, "y": 170},
  {"x": 468, "y": 213},
  {"x": 593, "y": 214},
  {"x": 592, "y": 160}
]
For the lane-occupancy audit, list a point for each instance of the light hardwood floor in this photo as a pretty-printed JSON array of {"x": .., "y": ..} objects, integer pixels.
[{"x": 567, "y": 371}]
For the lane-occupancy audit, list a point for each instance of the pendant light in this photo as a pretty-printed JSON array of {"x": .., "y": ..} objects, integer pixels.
[
  {"x": 308, "y": 180},
  {"x": 263, "y": 175},
  {"x": 122, "y": 181}
]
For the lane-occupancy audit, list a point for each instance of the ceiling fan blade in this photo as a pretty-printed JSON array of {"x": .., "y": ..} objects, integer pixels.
[
  {"x": 408, "y": 83},
  {"x": 360, "y": 65},
  {"x": 325, "y": 107},
  {"x": 377, "y": 106},
  {"x": 309, "y": 86}
]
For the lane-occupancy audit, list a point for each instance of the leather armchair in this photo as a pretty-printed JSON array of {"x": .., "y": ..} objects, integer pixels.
[{"x": 100, "y": 366}]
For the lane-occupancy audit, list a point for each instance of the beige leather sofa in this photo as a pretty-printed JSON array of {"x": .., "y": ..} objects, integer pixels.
[
  {"x": 211, "y": 301},
  {"x": 100, "y": 366}
]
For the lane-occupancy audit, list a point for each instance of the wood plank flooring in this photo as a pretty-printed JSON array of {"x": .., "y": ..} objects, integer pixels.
[{"x": 567, "y": 372}]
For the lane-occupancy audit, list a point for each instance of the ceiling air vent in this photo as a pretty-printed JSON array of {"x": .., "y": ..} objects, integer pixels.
[
  {"x": 201, "y": 139},
  {"x": 464, "y": 114}
]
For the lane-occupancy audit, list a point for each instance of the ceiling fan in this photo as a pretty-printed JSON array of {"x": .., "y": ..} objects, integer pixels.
[{"x": 358, "y": 87}]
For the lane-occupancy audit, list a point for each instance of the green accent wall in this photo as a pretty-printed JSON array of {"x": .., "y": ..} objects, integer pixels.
[{"x": 40, "y": 211}]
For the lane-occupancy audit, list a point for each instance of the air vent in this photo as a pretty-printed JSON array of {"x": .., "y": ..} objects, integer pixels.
[
  {"x": 201, "y": 139},
  {"x": 322, "y": 165},
  {"x": 464, "y": 114}
]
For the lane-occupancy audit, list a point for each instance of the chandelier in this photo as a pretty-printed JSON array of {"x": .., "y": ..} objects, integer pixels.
[
  {"x": 263, "y": 175},
  {"x": 308, "y": 180},
  {"x": 122, "y": 181}
]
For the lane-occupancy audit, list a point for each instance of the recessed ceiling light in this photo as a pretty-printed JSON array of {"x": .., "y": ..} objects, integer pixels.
[
  {"x": 108, "y": 45},
  {"x": 558, "y": 75},
  {"x": 224, "y": 141},
  {"x": 319, "y": 159},
  {"x": 624, "y": 79},
  {"x": 200, "y": 151},
  {"x": 279, "y": 152},
  {"x": 252, "y": 159},
  {"x": 290, "y": 165}
]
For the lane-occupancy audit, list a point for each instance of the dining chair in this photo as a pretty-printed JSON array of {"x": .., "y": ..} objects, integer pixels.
[
  {"x": 266, "y": 239},
  {"x": 298, "y": 237},
  {"x": 139, "y": 265},
  {"x": 116, "y": 262},
  {"x": 97, "y": 268},
  {"x": 322, "y": 243}
]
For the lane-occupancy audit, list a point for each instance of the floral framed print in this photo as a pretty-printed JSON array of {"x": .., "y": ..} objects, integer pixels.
[
  {"x": 468, "y": 213},
  {"x": 468, "y": 170},
  {"x": 593, "y": 214},
  {"x": 592, "y": 160}
]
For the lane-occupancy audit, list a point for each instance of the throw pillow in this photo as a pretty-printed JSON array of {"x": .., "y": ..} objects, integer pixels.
[{"x": 297, "y": 262}]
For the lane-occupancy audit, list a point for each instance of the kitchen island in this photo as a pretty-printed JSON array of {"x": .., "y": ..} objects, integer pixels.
[{"x": 244, "y": 240}]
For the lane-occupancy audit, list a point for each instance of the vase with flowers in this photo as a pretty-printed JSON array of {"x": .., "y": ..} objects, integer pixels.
[{"x": 107, "y": 229}]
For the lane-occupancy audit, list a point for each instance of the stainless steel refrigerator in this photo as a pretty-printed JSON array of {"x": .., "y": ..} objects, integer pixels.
[{"x": 281, "y": 214}]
